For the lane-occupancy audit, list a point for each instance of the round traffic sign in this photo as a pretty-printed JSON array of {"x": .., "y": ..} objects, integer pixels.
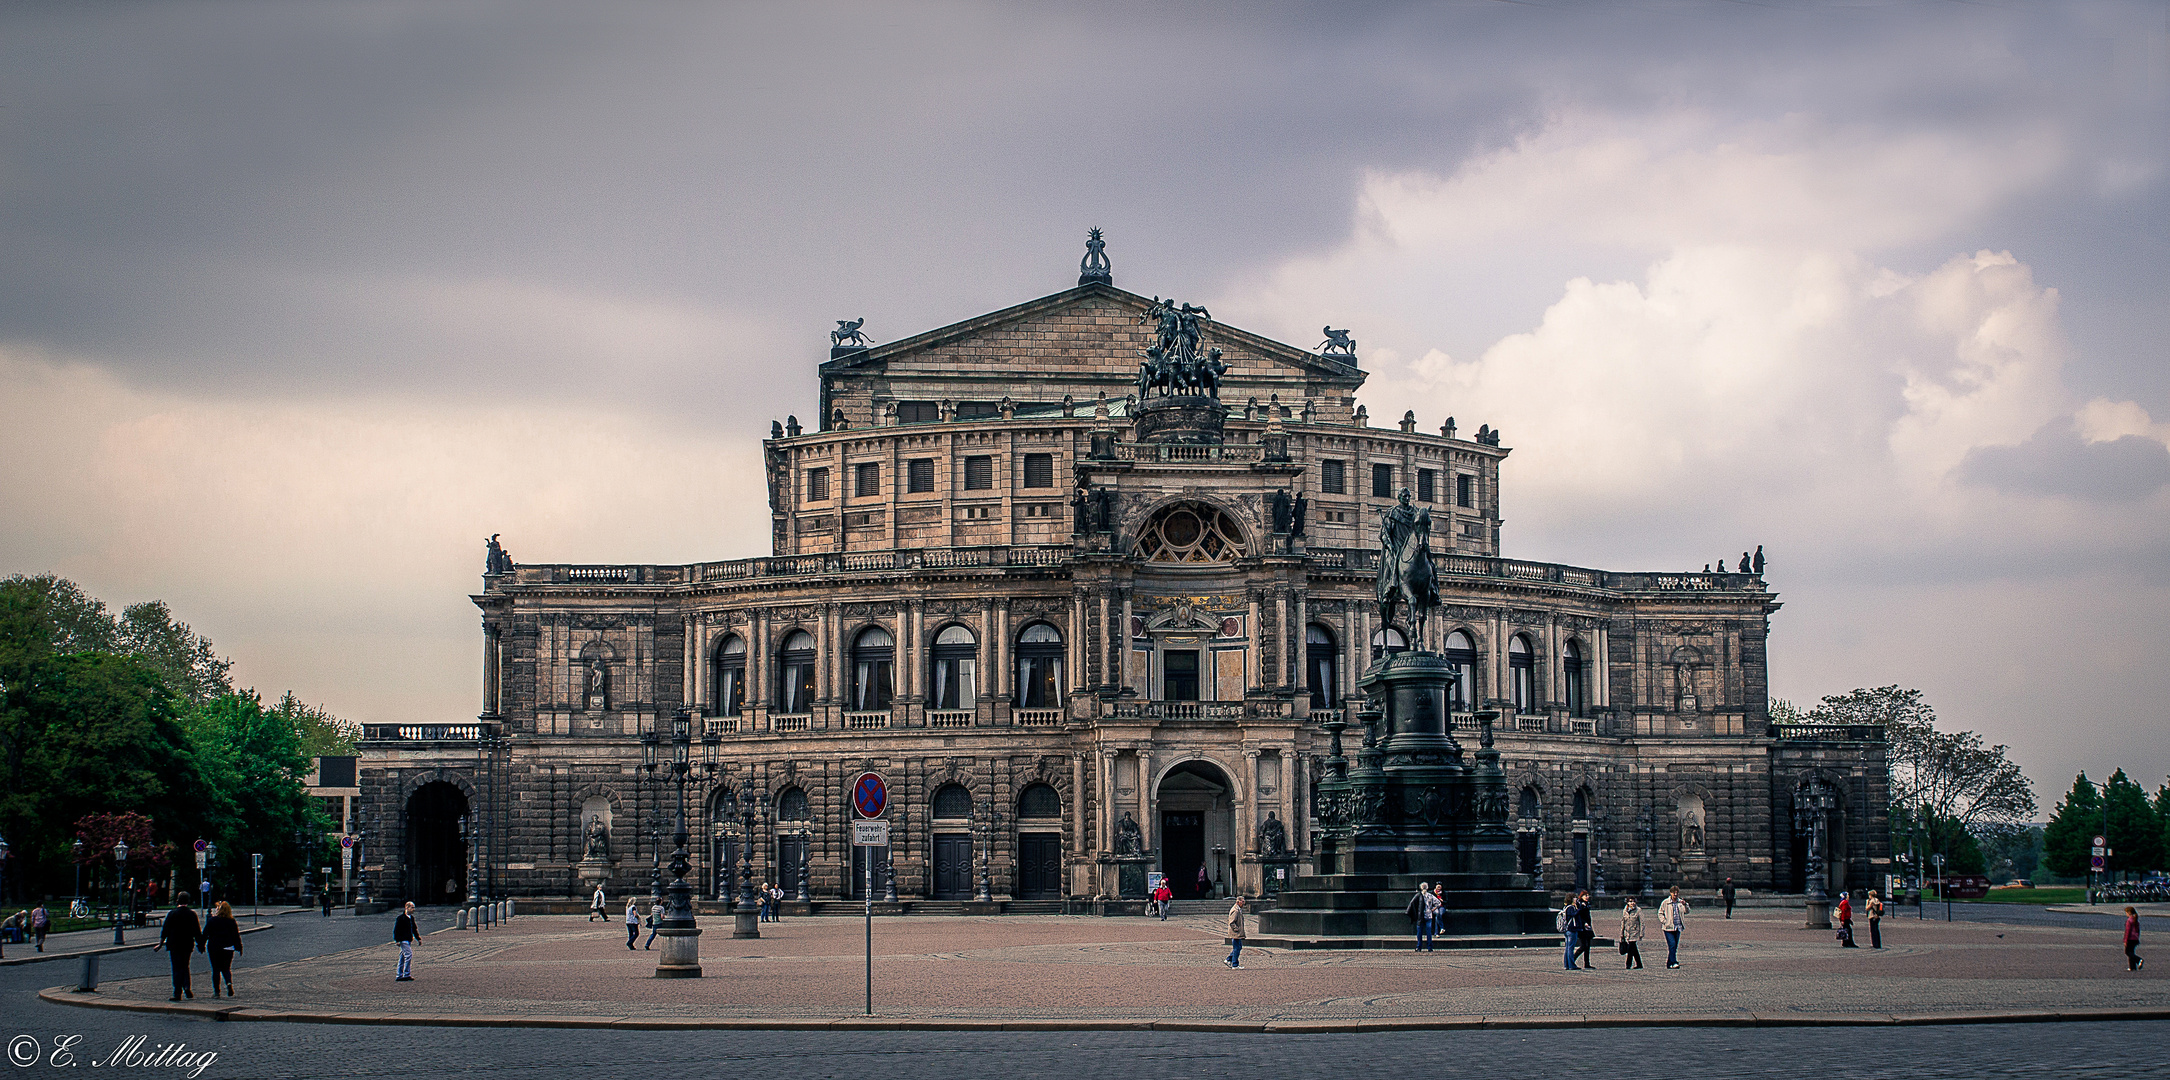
[
  {"x": 346, "y": 841},
  {"x": 869, "y": 795},
  {"x": 202, "y": 844},
  {"x": 2101, "y": 840}
]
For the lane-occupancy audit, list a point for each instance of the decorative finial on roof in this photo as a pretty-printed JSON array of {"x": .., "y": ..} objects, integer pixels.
[{"x": 1094, "y": 269}]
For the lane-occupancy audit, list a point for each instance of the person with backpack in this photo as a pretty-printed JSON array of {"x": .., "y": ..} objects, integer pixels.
[
  {"x": 632, "y": 922},
  {"x": 405, "y": 934},
  {"x": 597, "y": 909},
  {"x": 1672, "y": 919}
]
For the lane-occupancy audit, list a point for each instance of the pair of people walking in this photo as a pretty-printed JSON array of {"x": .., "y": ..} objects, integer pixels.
[
  {"x": 1428, "y": 907},
  {"x": 1576, "y": 930},
  {"x": 1162, "y": 897},
  {"x": 218, "y": 937}
]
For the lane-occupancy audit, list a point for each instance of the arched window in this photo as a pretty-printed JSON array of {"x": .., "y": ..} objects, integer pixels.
[
  {"x": 1571, "y": 676},
  {"x": 1582, "y": 804},
  {"x": 795, "y": 674},
  {"x": 1527, "y": 810},
  {"x": 1192, "y": 533},
  {"x": 1039, "y": 801},
  {"x": 1039, "y": 667},
  {"x": 792, "y": 805},
  {"x": 873, "y": 661},
  {"x": 955, "y": 660},
  {"x": 1521, "y": 675},
  {"x": 952, "y": 803},
  {"x": 731, "y": 676},
  {"x": 1320, "y": 658},
  {"x": 1461, "y": 656},
  {"x": 1387, "y": 641}
]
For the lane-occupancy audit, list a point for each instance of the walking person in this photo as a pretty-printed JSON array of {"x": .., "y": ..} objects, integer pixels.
[
  {"x": 180, "y": 935},
  {"x": 768, "y": 904},
  {"x": 1205, "y": 885},
  {"x": 41, "y": 923},
  {"x": 1846, "y": 921},
  {"x": 1874, "y": 906},
  {"x": 324, "y": 900},
  {"x": 405, "y": 934},
  {"x": 632, "y": 922},
  {"x": 1426, "y": 913},
  {"x": 1162, "y": 897},
  {"x": 1631, "y": 935},
  {"x": 1672, "y": 919},
  {"x": 2132, "y": 940},
  {"x": 1235, "y": 933},
  {"x": 776, "y": 903},
  {"x": 597, "y": 907},
  {"x": 222, "y": 945},
  {"x": 1726, "y": 893},
  {"x": 655, "y": 923},
  {"x": 1587, "y": 935}
]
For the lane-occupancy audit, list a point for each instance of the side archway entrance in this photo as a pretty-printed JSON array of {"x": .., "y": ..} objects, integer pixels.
[
  {"x": 1197, "y": 829},
  {"x": 436, "y": 862}
]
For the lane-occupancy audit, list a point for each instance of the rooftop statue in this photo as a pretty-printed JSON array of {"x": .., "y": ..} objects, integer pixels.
[
  {"x": 1405, "y": 565},
  {"x": 847, "y": 334},
  {"x": 1094, "y": 267},
  {"x": 1173, "y": 363},
  {"x": 1337, "y": 341}
]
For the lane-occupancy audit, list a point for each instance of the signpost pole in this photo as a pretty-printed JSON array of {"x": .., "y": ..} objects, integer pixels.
[{"x": 869, "y": 835}]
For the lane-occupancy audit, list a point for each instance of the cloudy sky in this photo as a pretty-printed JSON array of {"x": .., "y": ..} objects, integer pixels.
[{"x": 299, "y": 302}]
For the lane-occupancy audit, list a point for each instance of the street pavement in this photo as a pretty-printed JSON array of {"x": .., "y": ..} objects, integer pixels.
[{"x": 1147, "y": 961}]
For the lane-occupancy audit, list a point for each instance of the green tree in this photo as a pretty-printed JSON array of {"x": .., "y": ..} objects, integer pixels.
[
  {"x": 2068, "y": 838},
  {"x": 2013, "y": 853},
  {"x": 181, "y": 656},
  {"x": 255, "y": 759},
  {"x": 321, "y": 733},
  {"x": 1948, "y": 786},
  {"x": 2135, "y": 832}
]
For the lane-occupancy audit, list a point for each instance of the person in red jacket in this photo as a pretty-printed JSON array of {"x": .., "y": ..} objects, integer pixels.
[
  {"x": 2132, "y": 940},
  {"x": 1161, "y": 896}
]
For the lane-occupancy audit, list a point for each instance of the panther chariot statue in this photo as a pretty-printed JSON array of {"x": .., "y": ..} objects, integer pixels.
[{"x": 1173, "y": 364}]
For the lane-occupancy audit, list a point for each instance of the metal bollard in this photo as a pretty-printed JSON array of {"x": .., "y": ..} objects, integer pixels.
[
  {"x": 509, "y": 912},
  {"x": 462, "y": 924},
  {"x": 88, "y": 983}
]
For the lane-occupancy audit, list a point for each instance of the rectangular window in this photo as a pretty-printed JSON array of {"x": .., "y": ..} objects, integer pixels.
[
  {"x": 1039, "y": 510},
  {"x": 866, "y": 481},
  {"x": 1382, "y": 481},
  {"x": 1426, "y": 479},
  {"x": 1039, "y": 470},
  {"x": 1465, "y": 490},
  {"x": 977, "y": 410},
  {"x": 919, "y": 474},
  {"x": 979, "y": 473},
  {"x": 918, "y": 412},
  {"x": 1331, "y": 479},
  {"x": 817, "y": 484},
  {"x": 979, "y": 513},
  {"x": 1179, "y": 669}
]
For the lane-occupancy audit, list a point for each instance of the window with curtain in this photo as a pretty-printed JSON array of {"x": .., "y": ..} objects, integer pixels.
[
  {"x": 1461, "y": 657},
  {"x": 731, "y": 676},
  {"x": 1571, "y": 675},
  {"x": 1320, "y": 660},
  {"x": 795, "y": 674},
  {"x": 1386, "y": 641},
  {"x": 955, "y": 676},
  {"x": 1521, "y": 674},
  {"x": 1039, "y": 667},
  {"x": 873, "y": 662}
]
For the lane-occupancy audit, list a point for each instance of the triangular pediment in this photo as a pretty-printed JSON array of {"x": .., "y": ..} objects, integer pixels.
[{"x": 1077, "y": 343}]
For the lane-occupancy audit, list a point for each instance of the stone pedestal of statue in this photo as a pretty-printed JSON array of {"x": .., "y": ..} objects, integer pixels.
[
  {"x": 593, "y": 871},
  {"x": 681, "y": 957},
  {"x": 1130, "y": 876},
  {"x": 1187, "y": 419},
  {"x": 1413, "y": 809}
]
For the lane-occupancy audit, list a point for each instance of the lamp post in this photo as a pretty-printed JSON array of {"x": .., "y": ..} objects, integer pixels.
[
  {"x": 681, "y": 936},
  {"x": 3, "y": 868},
  {"x": 120, "y": 875},
  {"x": 1811, "y": 814},
  {"x": 75, "y": 853},
  {"x": 989, "y": 817},
  {"x": 806, "y": 847},
  {"x": 645, "y": 814},
  {"x": 474, "y": 872},
  {"x": 751, "y": 803}
]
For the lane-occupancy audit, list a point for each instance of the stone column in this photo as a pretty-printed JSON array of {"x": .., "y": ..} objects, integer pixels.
[
  {"x": 1146, "y": 820},
  {"x": 1002, "y": 677},
  {"x": 1107, "y": 645},
  {"x": 1255, "y": 674},
  {"x": 1122, "y": 641},
  {"x": 1301, "y": 634},
  {"x": 1281, "y": 636},
  {"x": 1246, "y": 826},
  {"x": 1104, "y": 806}
]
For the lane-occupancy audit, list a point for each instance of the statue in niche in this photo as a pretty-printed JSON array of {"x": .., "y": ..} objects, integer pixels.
[
  {"x": 1296, "y": 515},
  {"x": 1405, "y": 565},
  {"x": 1691, "y": 829},
  {"x": 598, "y": 834},
  {"x": 1282, "y": 515},
  {"x": 1129, "y": 839},
  {"x": 596, "y": 693},
  {"x": 1272, "y": 836}
]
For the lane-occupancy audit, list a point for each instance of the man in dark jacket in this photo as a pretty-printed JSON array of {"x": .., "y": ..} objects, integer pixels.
[
  {"x": 404, "y": 932},
  {"x": 180, "y": 935},
  {"x": 1726, "y": 892}
]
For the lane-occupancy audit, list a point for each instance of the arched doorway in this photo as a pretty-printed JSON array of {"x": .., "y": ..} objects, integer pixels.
[
  {"x": 1197, "y": 829},
  {"x": 436, "y": 864}
]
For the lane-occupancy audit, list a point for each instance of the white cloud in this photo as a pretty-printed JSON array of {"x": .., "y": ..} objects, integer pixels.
[{"x": 329, "y": 547}]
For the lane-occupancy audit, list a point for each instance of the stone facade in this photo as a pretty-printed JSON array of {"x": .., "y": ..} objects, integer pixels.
[{"x": 982, "y": 577}]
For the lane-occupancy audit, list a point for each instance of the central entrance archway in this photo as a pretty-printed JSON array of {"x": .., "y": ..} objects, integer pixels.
[
  {"x": 1197, "y": 829},
  {"x": 436, "y": 870}
]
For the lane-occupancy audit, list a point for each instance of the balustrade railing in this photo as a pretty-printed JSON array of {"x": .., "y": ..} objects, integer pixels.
[
  {"x": 723, "y": 725},
  {"x": 865, "y": 721},
  {"x": 1036, "y": 717},
  {"x": 1366, "y": 560},
  {"x": 421, "y": 732},
  {"x": 950, "y": 719},
  {"x": 789, "y": 722},
  {"x": 1530, "y": 723}
]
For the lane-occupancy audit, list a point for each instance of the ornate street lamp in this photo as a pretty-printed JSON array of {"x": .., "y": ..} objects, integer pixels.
[
  {"x": 1811, "y": 814},
  {"x": 681, "y": 937},
  {"x": 120, "y": 875},
  {"x": 645, "y": 813},
  {"x": 988, "y": 819},
  {"x": 752, "y": 802},
  {"x": 806, "y": 847}
]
